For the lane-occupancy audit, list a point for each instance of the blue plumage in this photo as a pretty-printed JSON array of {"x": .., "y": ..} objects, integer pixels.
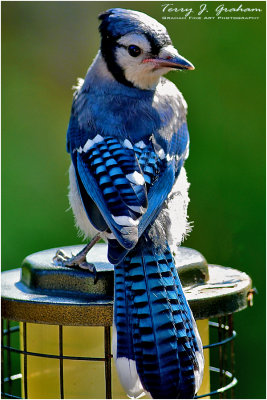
[
  {"x": 153, "y": 322},
  {"x": 128, "y": 140},
  {"x": 106, "y": 170}
]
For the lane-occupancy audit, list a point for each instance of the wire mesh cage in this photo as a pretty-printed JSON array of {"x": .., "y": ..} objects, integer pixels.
[
  {"x": 15, "y": 376},
  {"x": 57, "y": 345}
]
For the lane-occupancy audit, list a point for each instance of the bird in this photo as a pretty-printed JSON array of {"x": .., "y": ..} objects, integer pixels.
[{"x": 128, "y": 140}]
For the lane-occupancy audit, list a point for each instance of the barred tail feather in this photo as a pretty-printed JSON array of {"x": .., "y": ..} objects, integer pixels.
[
  {"x": 122, "y": 347},
  {"x": 126, "y": 369},
  {"x": 191, "y": 328},
  {"x": 156, "y": 335}
]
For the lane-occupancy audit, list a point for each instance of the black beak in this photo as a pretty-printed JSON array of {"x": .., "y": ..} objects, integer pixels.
[{"x": 176, "y": 62}]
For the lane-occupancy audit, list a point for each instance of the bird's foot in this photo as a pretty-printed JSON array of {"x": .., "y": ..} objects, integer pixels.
[
  {"x": 75, "y": 261},
  {"x": 78, "y": 260}
]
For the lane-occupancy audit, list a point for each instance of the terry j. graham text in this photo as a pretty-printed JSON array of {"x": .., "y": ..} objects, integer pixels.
[{"x": 210, "y": 12}]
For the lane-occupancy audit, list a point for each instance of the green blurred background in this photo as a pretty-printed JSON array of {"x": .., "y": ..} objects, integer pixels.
[{"x": 47, "y": 45}]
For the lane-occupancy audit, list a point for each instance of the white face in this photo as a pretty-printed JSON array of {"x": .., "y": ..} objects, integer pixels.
[{"x": 144, "y": 75}]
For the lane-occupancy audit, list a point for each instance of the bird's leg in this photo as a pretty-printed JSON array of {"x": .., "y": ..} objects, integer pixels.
[{"x": 78, "y": 260}]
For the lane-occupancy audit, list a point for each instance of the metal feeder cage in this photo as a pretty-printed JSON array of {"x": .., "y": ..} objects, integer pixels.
[{"x": 56, "y": 325}]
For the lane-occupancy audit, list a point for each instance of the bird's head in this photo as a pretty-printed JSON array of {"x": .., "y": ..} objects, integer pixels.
[{"x": 137, "y": 49}]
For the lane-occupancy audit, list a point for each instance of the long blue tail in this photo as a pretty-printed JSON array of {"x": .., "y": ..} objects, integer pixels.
[{"x": 157, "y": 338}]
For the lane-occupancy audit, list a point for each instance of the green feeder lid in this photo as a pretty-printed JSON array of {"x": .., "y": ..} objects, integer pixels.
[{"x": 41, "y": 292}]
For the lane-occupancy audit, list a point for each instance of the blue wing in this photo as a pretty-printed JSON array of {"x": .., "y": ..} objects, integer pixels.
[
  {"x": 111, "y": 184},
  {"x": 124, "y": 185},
  {"x": 160, "y": 167}
]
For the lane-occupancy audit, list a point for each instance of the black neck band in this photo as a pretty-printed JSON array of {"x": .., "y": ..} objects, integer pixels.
[{"x": 108, "y": 47}]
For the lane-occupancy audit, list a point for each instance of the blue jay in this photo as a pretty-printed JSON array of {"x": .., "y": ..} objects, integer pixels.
[{"x": 128, "y": 140}]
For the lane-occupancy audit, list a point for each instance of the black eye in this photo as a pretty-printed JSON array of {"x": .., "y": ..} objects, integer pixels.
[{"x": 134, "y": 51}]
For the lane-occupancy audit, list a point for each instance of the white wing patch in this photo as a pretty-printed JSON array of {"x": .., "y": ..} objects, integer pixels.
[
  {"x": 140, "y": 144},
  {"x": 98, "y": 139},
  {"x": 90, "y": 142},
  {"x": 88, "y": 145},
  {"x": 161, "y": 154},
  {"x": 127, "y": 144},
  {"x": 124, "y": 220},
  {"x": 136, "y": 178},
  {"x": 138, "y": 209},
  {"x": 169, "y": 158}
]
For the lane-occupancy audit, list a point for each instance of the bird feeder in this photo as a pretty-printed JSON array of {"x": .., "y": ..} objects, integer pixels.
[{"x": 57, "y": 323}]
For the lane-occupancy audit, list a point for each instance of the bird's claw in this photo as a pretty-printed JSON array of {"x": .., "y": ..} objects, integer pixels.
[
  {"x": 60, "y": 257},
  {"x": 60, "y": 254},
  {"x": 79, "y": 261}
]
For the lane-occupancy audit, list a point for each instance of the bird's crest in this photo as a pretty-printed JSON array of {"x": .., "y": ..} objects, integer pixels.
[{"x": 117, "y": 22}]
